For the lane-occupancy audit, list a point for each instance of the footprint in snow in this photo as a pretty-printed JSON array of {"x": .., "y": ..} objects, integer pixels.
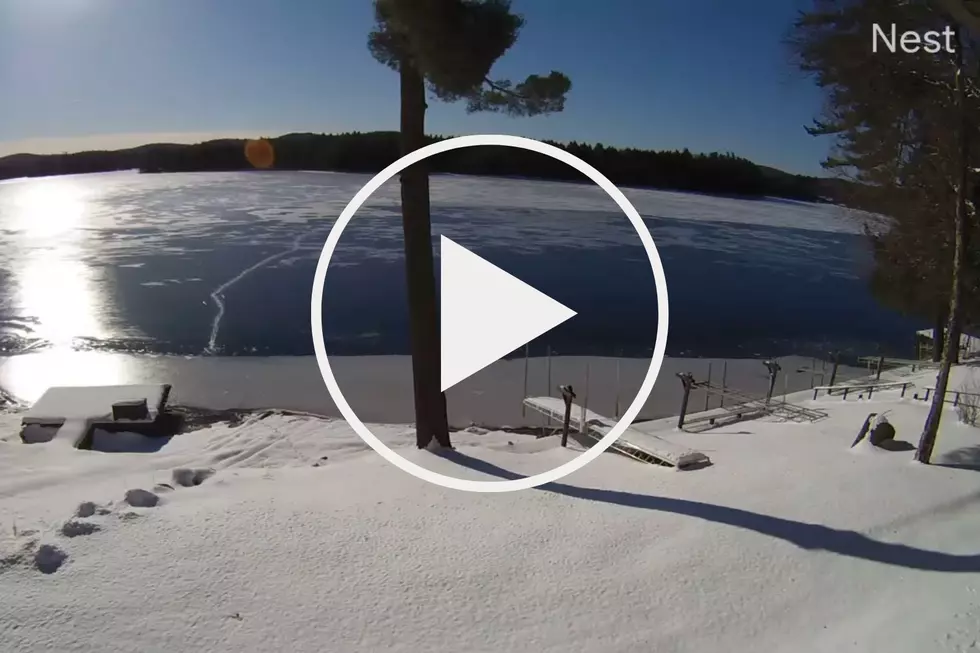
[
  {"x": 139, "y": 498},
  {"x": 75, "y": 528},
  {"x": 48, "y": 558},
  {"x": 88, "y": 509},
  {"x": 20, "y": 548},
  {"x": 186, "y": 477}
]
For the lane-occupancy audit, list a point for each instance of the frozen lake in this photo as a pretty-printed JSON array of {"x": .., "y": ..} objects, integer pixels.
[{"x": 128, "y": 262}]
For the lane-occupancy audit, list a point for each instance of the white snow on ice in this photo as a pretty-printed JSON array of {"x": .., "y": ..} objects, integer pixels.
[
  {"x": 285, "y": 532},
  {"x": 126, "y": 216}
]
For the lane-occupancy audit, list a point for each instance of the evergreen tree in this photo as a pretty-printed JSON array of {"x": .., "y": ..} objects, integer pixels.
[
  {"x": 445, "y": 47},
  {"x": 905, "y": 127}
]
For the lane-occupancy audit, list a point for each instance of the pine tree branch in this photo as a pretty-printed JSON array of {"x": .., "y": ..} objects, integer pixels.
[{"x": 502, "y": 89}]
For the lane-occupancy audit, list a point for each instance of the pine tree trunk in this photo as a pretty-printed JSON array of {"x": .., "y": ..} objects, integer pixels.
[
  {"x": 951, "y": 346},
  {"x": 955, "y": 335},
  {"x": 430, "y": 404}
]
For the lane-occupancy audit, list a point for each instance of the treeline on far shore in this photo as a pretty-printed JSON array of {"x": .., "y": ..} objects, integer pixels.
[{"x": 724, "y": 174}]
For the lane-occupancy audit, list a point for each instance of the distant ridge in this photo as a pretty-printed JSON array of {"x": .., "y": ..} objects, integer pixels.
[{"x": 368, "y": 152}]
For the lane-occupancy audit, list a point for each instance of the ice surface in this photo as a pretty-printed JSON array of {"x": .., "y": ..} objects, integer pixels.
[
  {"x": 305, "y": 540},
  {"x": 175, "y": 263}
]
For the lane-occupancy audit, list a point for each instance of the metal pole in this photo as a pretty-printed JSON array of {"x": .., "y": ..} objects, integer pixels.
[
  {"x": 773, "y": 368},
  {"x": 813, "y": 372},
  {"x": 527, "y": 357},
  {"x": 881, "y": 364},
  {"x": 724, "y": 382},
  {"x": 688, "y": 382},
  {"x": 707, "y": 392},
  {"x": 549, "y": 380},
  {"x": 549, "y": 370},
  {"x": 616, "y": 412},
  {"x": 585, "y": 401},
  {"x": 833, "y": 373},
  {"x": 785, "y": 386},
  {"x": 568, "y": 395}
]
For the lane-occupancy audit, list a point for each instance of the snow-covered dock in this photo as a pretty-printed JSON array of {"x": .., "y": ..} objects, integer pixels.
[
  {"x": 633, "y": 444},
  {"x": 67, "y": 415}
]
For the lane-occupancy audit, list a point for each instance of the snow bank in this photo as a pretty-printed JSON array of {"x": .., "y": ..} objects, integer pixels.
[{"x": 299, "y": 538}]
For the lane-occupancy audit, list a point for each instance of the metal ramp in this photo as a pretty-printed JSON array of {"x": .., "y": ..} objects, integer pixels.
[
  {"x": 592, "y": 427},
  {"x": 592, "y": 435},
  {"x": 789, "y": 411},
  {"x": 746, "y": 406}
]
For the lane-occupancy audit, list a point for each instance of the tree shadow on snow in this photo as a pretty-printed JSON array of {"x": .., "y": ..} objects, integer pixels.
[
  {"x": 962, "y": 458},
  {"x": 896, "y": 445},
  {"x": 811, "y": 537}
]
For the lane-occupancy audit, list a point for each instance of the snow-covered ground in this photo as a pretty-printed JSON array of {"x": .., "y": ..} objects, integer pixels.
[{"x": 296, "y": 537}]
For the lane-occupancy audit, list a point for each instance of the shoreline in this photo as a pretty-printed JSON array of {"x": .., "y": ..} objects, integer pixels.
[{"x": 379, "y": 388}]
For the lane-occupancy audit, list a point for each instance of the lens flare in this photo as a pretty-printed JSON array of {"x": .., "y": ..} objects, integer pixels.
[{"x": 260, "y": 153}]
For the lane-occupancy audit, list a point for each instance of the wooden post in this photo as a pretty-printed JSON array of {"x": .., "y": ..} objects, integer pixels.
[
  {"x": 707, "y": 391},
  {"x": 833, "y": 373},
  {"x": 527, "y": 360},
  {"x": 688, "y": 382},
  {"x": 724, "y": 381},
  {"x": 881, "y": 364},
  {"x": 568, "y": 395}
]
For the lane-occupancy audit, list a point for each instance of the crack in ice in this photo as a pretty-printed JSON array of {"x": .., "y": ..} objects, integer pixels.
[{"x": 217, "y": 295}]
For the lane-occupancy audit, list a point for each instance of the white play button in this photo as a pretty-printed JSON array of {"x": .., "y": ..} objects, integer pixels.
[{"x": 486, "y": 313}]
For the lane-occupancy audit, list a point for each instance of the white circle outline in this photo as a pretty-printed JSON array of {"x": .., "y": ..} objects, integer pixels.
[{"x": 527, "y": 482}]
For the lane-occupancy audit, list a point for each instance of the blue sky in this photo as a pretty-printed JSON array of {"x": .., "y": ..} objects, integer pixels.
[{"x": 709, "y": 75}]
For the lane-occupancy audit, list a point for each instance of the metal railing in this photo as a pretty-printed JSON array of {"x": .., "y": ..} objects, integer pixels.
[
  {"x": 869, "y": 388},
  {"x": 957, "y": 394}
]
